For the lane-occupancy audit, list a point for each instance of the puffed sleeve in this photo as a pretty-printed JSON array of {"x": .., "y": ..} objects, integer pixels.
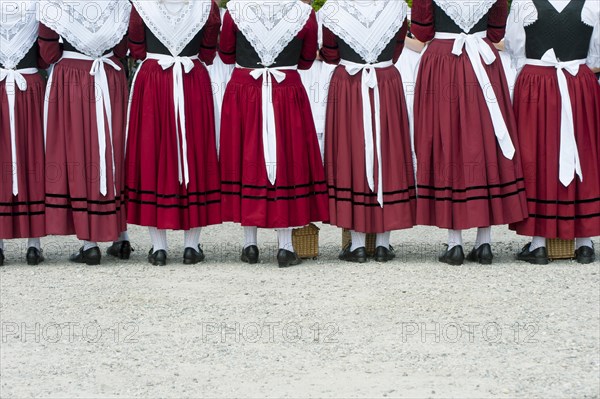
[
  {"x": 497, "y": 21},
  {"x": 522, "y": 13},
  {"x": 310, "y": 42},
  {"x": 210, "y": 36},
  {"x": 120, "y": 50},
  {"x": 330, "y": 51},
  {"x": 422, "y": 26},
  {"x": 228, "y": 40},
  {"x": 591, "y": 17},
  {"x": 50, "y": 48},
  {"x": 400, "y": 41},
  {"x": 136, "y": 36}
]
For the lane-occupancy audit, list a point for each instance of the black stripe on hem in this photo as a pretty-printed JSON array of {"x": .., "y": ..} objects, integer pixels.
[
  {"x": 178, "y": 196},
  {"x": 227, "y": 52},
  {"x": 464, "y": 190},
  {"x": 9, "y": 214},
  {"x": 252, "y": 187},
  {"x": 356, "y": 203},
  {"x": 121, "y": 198},
  {"x": 550, "y": 202},
  {"x": 482, "y": 197},
  {"x": 356, "y": 193},
  {"x": 99, "y": 213},
  {"x": 592, "y": 215},
  {"x": 257, "y": 197},
  {"x": 21, "y": 203},
  {"x": 134, "y": 42},
  {"x": 197, "y": 203}
]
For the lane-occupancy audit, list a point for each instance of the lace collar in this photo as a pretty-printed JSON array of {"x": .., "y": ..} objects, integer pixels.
[
  {"x": 18, "y": 31},
  {"x": 91, "y": 27},
  {"x": 366, "y": 26},
  {"x": 174, "y": 23},
  {"x": 269, "y": 25},
  {"x": 466, "y": 13}
]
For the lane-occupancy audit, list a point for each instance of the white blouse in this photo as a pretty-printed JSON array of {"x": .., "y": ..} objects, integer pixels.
[{"x": 523, "y": 13}]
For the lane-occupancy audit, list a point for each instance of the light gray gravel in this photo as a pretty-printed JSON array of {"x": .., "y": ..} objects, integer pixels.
[{"x": 411, "y": 328}]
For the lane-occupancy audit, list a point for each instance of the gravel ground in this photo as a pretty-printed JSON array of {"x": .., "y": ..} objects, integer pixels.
[{"x": 410, "y": 328}]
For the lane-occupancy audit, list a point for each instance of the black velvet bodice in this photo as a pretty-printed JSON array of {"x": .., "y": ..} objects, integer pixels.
[
  {"x": 443, "y": 23},
  {"x": 246, "y": 55},
  {"x": 562, "y": 31},
  {"x": 153, "y": 45},
  {"x": 348, "y": 53}
]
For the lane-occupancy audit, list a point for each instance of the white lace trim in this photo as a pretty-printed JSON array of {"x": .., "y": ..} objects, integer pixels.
[
  {"x": 269, "y": 26},
  {"x": 18, "y": 31},
  {"x": 91, "y": 27},
  {"x": 465, "y": 13},
  {"x": 174, "y": 29},
  {"x": 366, "y": 26}
]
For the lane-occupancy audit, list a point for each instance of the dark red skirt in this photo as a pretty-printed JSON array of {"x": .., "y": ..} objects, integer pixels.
[
  {"x": 74, "y": 204},
  {"x": 155, "y": 196},
  {"x": 352, "y": 205},
  {"x": 556, "y": 211},
  {"x": 22, "y": 216},
  {"x": 463, "y": 178},
  {"x": 299, "y": 195}
]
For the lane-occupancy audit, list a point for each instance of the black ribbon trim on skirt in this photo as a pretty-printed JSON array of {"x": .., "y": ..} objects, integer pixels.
[
  {"x": 10, "y": 214},
  {"x": 476, "y": 198},
  {"x": 551, "y": 202},
  {"x": 374, "y": 204},
  {"x": 21, "y": 203},
  {"x": 176, "y": 196},
  {"x": 67, "y": 197},
  {"x": 278, "y": 198},
  {"x": 181, "y": 206},
  {"x": 464, "y": 190},
  {"x": 274, "y": 188},
  {"x": 96, "y": 213},
  {"x": 588, "y": 216},
  {"x": 371, "y": 194}
]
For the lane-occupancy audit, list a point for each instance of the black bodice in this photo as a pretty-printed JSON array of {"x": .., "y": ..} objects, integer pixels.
[
  {"x": 443, "y": 23},
  {"x": 30, "y": 60},
  {"x": 348, "y": 53},
  {"x": 153, "y": 45},
  {"x": 563, "y": 31},
  {"x": 69, "y": 47},
  {"x": 246, "y": 55}
]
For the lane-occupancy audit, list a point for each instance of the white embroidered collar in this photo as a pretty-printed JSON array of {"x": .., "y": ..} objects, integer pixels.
[
  {"x": 269, "y": 25},
  {"x": 366, "y": 26},
  {"x": 18, "y": 31},
  {"x": 174, "y": 22},
  {"x": 91, "y": 27},
  {"x": 465, "y": 13}
]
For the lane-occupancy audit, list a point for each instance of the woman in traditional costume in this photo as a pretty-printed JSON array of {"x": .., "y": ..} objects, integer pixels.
[
  {"x": 468, "y": 167},
  {"x": 172, "y": 167},
  {"x": 85, "y": 112},
  {"x": 557, "y": 104},
  {"x": 22, "y": 88},
  {"x": 368, "y": 153},
  {"x": 271, "y": 168}
]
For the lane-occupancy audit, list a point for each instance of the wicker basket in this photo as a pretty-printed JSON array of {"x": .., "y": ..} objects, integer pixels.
[
  {"x": 370, "y": 247},
  {"x": 560, "y": 249},
  {"x": 306, "y": 241}
]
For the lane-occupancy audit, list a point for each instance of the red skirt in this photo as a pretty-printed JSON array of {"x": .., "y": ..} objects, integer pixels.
[
  {"x": 74, "y": 204},
  {"x": 463, "y": 178},
  {"x": 352, "y": 205},
  {"x": 299, "y": 195},
  {"x": 23, "y": 216},
  {"x": 155, "y": 196},
  {"x": 556, "y": 211}
]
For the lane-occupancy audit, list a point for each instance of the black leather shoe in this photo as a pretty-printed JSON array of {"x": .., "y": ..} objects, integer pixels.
[
  {"x": 250, "y": 254},
  {"x": 585, "y": 255},
  {"x": 121, "y": 250},
  {"x": 191, "y": 256},
  {"x": 287, "y": 258},
  {"x": 34, "y": 256},
  {"x": 536, "y": 257},
  {"x": 1, "y": 257},
  {"x": 359, "y": 255},
  {"x": 158, "y": 258},
  {"x": 383, "y": 254},
  {"x": 454, "y": 256},
  {"x": 91, "y": 257},
  {"x": 482, "y": 255}
]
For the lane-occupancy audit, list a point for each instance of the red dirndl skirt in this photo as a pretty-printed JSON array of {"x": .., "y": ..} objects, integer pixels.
[
  {"x": 463, "y": 179},
  {"x": 155, "y": 196},
  {"x": 556, "y": 211},
  {"x": 23, "y": 216},
  {"x": 299, "y": 195},
  {"x": 74, "y": 204},
  {"x": 352, "y": 205}
]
